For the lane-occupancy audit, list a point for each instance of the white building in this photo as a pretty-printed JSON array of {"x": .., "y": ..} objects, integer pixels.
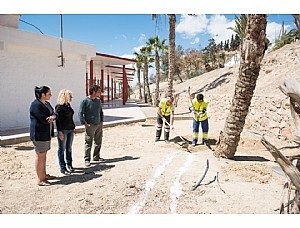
[{"x": 28, "y": 60}]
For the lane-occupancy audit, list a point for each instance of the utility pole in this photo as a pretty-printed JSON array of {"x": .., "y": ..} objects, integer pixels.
[{"x": 61, "y": 56}]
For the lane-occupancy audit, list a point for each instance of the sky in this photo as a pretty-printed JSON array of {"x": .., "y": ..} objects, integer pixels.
[{"x": 124, "y": 34}]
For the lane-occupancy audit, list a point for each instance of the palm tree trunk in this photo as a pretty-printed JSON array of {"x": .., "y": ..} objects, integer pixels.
[
  {"x": 139, "y": 82},
  {"x": 157, "y": 66},
  {"x": 297, "y": 21},
  {"x": 252, "y": 53},
  {"x": 144, "y": 86},
  {"x": 147, "y": 87},
  {"x": 172, "y": 24}
]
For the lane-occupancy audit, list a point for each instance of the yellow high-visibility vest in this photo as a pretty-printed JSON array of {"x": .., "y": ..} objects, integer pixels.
[
  {"x": 198, "y": 108},
  {"x": 165, "y": 109}
]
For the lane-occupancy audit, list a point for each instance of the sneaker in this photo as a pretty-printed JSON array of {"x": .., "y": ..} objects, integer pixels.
[
  {"x": 193, "y": 144},
  {"x": 65, "y": 172},
  {"x": 156, "y": 139},
  {"x": 204, "y": 142},
  {"x": 70, "y": 168},
  {"x": 167, "y": 141},
  {"x": 87, "y": 164},
  {"x": 98, "y": 159}
]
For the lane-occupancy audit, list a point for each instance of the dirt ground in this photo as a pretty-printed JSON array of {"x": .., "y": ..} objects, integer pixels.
[{"x": 140, "y": 176}]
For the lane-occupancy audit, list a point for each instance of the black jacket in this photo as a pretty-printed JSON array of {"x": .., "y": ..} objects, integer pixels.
[
  {"x": 65, "y": 117},
  {"x": 39, "y": 126}
]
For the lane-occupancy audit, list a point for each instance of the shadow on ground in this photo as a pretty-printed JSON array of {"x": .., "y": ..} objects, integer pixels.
[
  {"x": 250, "y": 158},
  {"x": 120, "y": 159},
  {"x": 81, "y": 175}
]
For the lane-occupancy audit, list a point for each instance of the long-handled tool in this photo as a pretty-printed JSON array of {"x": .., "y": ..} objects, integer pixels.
[
  {"x": 197, "y": 114},
  {"x": 172, "y": 128}
]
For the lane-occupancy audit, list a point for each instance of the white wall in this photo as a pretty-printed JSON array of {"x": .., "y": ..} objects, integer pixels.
[{"x": 28, "y": 60}]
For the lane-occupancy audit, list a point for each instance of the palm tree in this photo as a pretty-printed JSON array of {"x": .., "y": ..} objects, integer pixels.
[
  {"x": 157, "y": 46},
  {"x": 146, "y": 53},
  {"x": 172, "y": 46},
  {"x": 139, "y": 59},
  {"x": 297, "y": 21},
  {"x": 252, "y": 53},
  {"x": 172, "y": 24},
  {"x": 240, "y": 25}
]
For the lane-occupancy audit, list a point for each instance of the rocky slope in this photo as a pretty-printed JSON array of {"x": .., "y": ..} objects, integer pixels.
[{"x": 269, "y": 112}]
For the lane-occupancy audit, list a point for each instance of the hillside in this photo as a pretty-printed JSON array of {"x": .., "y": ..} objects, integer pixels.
[{"x": 269, "y": 112}]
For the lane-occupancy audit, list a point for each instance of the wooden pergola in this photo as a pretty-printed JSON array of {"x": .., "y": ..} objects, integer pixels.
[{"x": 112, "y": 74}]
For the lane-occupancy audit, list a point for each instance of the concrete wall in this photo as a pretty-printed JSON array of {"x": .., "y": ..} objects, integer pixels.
[
  {"x": 28, "y": 60},
  {"x": 10, "y": 20}
]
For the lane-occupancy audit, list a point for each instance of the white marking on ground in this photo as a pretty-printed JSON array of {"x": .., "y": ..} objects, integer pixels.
[
  {"x": 176, "y": 189},
  {"x": 150, "y": 184}
]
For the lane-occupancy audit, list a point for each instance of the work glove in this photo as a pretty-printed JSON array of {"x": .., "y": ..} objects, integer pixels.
[
  {"x": 172, "y": 127},
  {"x": 199, "y": 114}
]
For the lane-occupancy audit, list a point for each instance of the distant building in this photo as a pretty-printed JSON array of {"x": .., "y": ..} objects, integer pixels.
[{"x": 28, "y": 60}]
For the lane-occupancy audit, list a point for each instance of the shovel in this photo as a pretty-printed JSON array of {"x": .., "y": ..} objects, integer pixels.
[{"x": 172, "y": 128}]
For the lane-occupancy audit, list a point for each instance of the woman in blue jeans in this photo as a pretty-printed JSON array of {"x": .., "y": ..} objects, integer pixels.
[{"x": 65, "y": 131}]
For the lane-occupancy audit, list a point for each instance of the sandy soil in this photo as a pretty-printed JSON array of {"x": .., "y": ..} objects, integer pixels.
[{"x": 140, "y": 176}]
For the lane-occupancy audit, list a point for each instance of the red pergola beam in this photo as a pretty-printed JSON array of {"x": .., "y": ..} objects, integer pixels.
[
  {"x": 120, "y": 73},
  {"x": 118, "y": 67},
  {"x": 116, "y": 76},
  {"x": 115, "y": 57},
  {"x": 120, "y": 80}
]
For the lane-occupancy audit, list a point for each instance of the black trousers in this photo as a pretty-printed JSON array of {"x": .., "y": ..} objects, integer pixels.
[{"x": 160, "y": 125}]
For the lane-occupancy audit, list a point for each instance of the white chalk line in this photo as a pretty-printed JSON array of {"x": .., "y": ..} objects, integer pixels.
[
  {"x": 176, "y": 189},
  {"x": 150, "y": 184}
]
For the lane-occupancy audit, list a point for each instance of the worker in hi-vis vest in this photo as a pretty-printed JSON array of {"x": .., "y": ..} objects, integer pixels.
[
  {"x": 200, "y": 117},
  {"x": 165, "y": 115}
]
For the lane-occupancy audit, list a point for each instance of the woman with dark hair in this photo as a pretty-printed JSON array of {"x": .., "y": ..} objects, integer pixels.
[{"x": 42, "y": 116}]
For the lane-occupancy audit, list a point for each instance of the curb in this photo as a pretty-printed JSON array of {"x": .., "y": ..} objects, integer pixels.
[{"x": 25, "y": 137}]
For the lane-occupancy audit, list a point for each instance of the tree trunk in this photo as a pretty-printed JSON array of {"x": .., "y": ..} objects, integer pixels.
[
  {"x": 297, "y": 21},
  {"x": 252, "y": 53},
  {"x": 291, "y": 171},
  {"x": 178, "y": 75},
  {"x": 147, "y": 87},
  {"x": 172, "y": 24},
  {"x": 139, "y": 82},
  {"x": 144, "y": 86},
  {"x": 157, "y": 66}
]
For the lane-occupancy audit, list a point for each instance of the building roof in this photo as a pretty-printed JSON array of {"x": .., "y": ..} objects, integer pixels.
[{"x": 113, "y": 65}]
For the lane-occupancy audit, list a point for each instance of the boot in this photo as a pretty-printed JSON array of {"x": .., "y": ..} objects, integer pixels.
[
  {"x": 167, "y": 134},
  {"x": 157, "y": 137},
  {"x": 194, "y": 142}
]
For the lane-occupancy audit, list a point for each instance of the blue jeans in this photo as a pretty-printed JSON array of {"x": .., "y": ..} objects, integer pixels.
[{"x": 65, "y": 149}]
